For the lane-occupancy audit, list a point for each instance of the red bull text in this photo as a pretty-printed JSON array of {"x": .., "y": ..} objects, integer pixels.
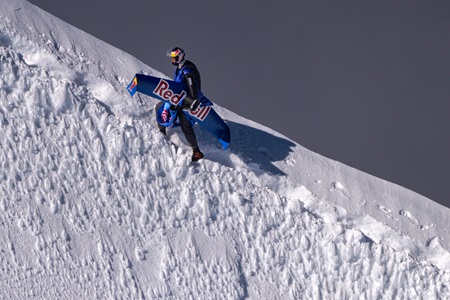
[{"x": 163, "y": 91}]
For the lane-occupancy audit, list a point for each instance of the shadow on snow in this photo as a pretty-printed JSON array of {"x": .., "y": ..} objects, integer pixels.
[{"x": 252, "y": 146}]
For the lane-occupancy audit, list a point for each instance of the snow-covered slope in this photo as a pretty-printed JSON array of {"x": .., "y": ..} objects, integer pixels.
[{"x": 96, "y": 204}]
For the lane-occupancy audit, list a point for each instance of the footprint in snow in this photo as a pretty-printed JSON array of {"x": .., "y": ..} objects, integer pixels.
[
  {"x": 341, "y": 188},
  {"x": 387, "y": 212},
  {"x": 290, "y": 161},
  {"x": 409, "y": 216},
  {"x": 384, "y": 209}
]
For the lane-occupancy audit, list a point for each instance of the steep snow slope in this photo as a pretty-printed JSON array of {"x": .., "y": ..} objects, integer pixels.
[{"x": 95, "y": 203}]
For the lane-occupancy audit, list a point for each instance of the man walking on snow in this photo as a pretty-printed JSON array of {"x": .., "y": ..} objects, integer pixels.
[{"x": 169, "y": 115}]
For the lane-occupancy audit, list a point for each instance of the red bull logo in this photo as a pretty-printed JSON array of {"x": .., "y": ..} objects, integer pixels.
[
  {"x": 175, "y": 53},
  {"x": 132, "y": 86},
  {"x": 201, "y": 112},
  {"x": 163, "y": 91}
]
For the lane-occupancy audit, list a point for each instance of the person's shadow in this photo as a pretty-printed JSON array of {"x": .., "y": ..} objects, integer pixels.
[
  {"x": 258, "y": 149},
  {"x": 252, "y": 146}
]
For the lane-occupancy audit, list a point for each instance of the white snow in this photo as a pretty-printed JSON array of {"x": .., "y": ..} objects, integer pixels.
[{"x": 96, "y": 204}]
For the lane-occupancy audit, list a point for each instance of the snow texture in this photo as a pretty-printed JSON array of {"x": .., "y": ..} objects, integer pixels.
[{"x": 96, "y": 204}]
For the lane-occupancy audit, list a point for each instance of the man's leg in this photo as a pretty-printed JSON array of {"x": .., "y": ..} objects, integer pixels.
[
  {"x": 161, "y": 128},
  {"x": 187, "y": 129},
  {"x": 189, "y": 133}
]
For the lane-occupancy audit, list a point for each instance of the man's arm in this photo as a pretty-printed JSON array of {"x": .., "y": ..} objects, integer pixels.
[
  {"x": 191, "y": 100},
  {"x": 191, "y": 82}
]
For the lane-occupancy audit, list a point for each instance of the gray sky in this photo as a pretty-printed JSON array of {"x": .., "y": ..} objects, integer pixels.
[{"x": 366, "y": 83}]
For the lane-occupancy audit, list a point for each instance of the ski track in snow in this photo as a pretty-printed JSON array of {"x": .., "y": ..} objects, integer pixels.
[{"x": 96, "y": 204}]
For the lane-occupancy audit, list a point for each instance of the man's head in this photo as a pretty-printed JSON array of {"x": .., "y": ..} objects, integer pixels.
[{"x": 176, "y": 55}]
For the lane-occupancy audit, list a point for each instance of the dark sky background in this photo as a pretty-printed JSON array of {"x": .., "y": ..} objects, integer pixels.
[{"x": 366, "y": 83}]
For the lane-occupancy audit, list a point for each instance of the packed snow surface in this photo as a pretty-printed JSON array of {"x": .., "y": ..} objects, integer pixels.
[{"x": 96, "y": 204}]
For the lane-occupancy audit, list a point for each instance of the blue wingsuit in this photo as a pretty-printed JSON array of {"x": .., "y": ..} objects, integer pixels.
[{"x": 172, "y": 116}]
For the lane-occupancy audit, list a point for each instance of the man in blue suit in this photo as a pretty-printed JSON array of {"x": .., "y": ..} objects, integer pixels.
[{"x": 187, "y": 73}]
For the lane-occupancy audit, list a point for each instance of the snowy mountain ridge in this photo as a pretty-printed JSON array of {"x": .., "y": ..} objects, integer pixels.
[{"x": 97, "y": 204}]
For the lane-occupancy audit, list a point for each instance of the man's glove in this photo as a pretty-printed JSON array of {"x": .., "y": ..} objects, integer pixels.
[
  {"x": 195, "y": 104},
  {"x": 190, "y": 103}
]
